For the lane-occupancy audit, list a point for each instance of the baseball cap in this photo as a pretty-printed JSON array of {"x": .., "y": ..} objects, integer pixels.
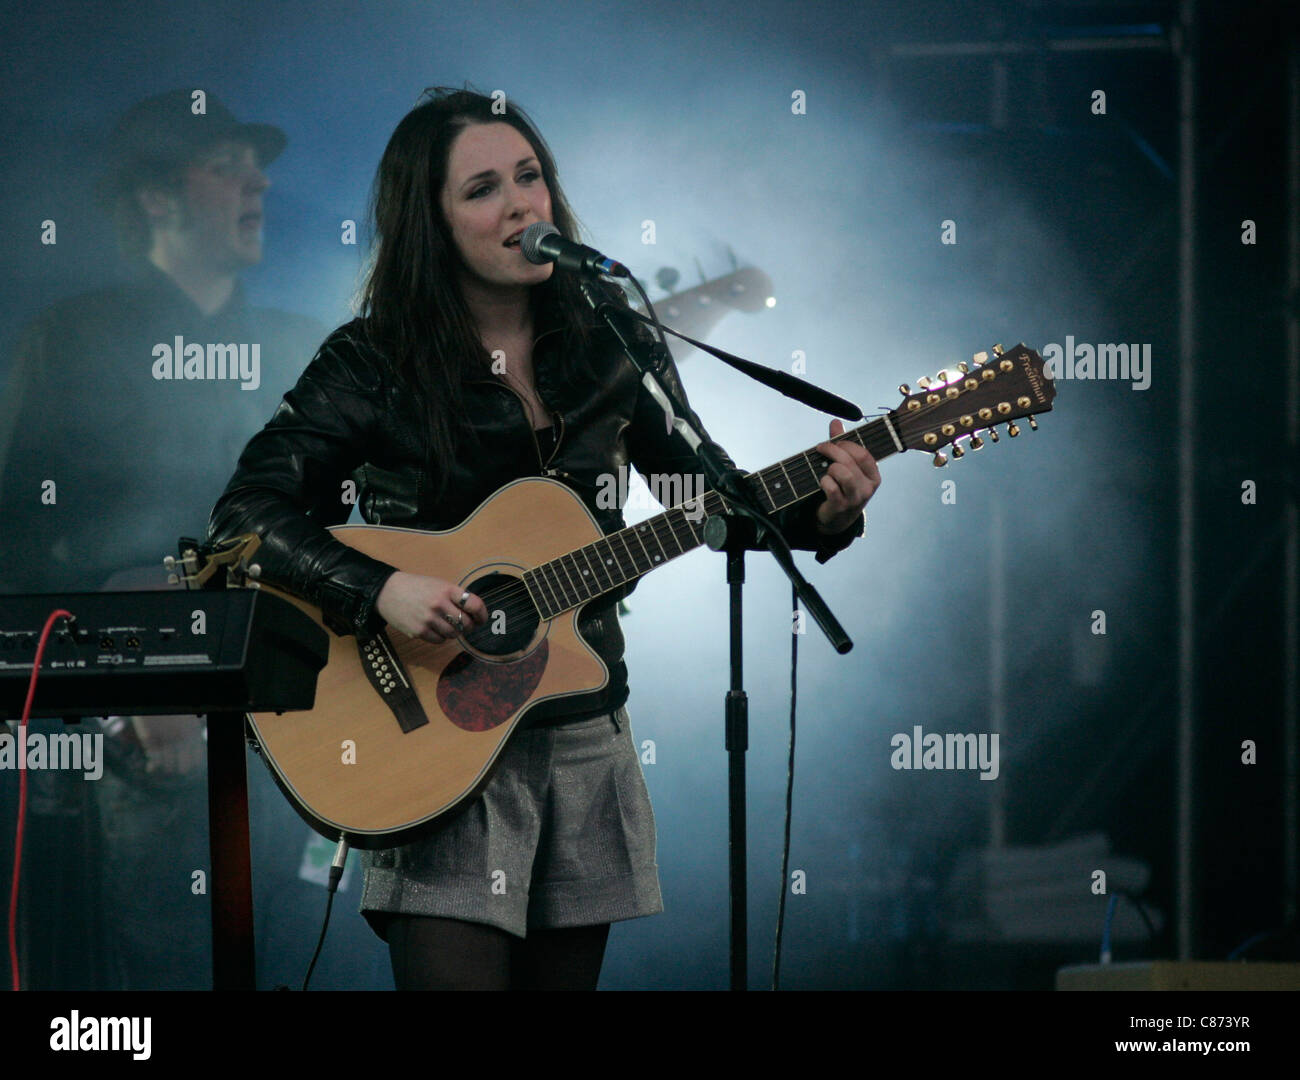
[{"x": 162, "y": 132}]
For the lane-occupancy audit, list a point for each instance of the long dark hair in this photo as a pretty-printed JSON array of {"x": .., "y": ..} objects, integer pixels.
[{"x": 411, "y": 299}]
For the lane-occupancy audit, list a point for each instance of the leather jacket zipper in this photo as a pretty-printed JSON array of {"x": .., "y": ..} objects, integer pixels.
[
  {"x": 558, "y": 436},
  {"x": 542, "y": 465}
]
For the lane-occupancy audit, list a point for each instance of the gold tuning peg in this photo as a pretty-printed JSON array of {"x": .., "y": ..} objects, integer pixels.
[
  {"x": 944, "y": 375},
  {"x": 923, "y": 382},
  {"x": 976, "y": 442},
  {"x": 939, "y": 460},
  {"x": 957, "y": 451},
  {"x": 904, "y": 389},
  {"x": 998, "y": 350},
  {"x": 993, "y": 434},
  {"x": 981, "y": 357},
  {"x": 963, "y": 367},
  {"x": 1012, "y": 430},
  {"x": 1033, "y": 424}
]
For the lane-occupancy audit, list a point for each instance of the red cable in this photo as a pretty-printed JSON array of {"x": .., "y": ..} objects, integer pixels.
[{"x": 22, "y": 793}]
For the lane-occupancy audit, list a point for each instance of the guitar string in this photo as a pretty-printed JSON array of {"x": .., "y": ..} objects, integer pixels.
[{"x": 515, "y": 600}]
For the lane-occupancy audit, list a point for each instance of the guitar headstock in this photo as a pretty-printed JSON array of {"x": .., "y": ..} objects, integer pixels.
[
  {"x": 970, "y": 400},
  {"x": 697, "y": 310},
  {"x": 196, "y": 565}
]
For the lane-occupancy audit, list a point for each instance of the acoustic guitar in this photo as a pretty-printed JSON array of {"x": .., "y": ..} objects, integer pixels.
[{"x": 404, "y": 730}]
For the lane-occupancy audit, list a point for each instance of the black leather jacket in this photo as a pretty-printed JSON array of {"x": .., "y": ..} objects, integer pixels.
[{"x": 348, "y": 419}]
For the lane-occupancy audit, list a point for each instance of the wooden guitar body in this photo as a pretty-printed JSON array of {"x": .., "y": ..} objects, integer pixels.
[{"x": 348, "y": 765}]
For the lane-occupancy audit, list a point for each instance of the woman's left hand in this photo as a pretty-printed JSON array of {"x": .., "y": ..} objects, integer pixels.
[{"x": 849, "y": 482}]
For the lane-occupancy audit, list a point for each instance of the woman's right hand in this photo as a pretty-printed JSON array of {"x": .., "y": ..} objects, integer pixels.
[{"x": 429, "y": 607}]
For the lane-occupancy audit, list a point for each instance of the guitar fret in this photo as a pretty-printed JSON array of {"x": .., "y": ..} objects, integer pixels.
[
  {"x": 672, "y": 519},
  {"x": 660, "y": 537},
  {"x": 669, "y": 532},
  {"x": 638, "y": 532},
  {"x": 686, "y": 517},
  {"x": 636, "y": 571},
  {"x": 585, "y": 580},
  {"x": 610, "y": 561},
  {"x": 677, "y": 516},
  {"x": 543, "y": 591},
  {"x": 593, "y": 567},
  {"x": 880, "y": 437},
  {"x": 533, "y": 593},
  {"x": 643, "y": 548},
  {"x": 815, "y": 467},
  {"x": 651, "y": 559},
  {"x": 553, "y": 584},
  {"x": 642, "y": 529},
  {"x": 557, "y": 583},
  {"x": 808, "y": 482},
  {"x": 790, "y": 488},
  {"x": 569, "y": 579}
]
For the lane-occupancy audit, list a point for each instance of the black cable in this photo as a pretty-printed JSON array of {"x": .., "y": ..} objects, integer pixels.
[
  {"x": 1142, "y": 910},
  {"x": 336, "y": 874},
  {"x": 650, "y": 311},
  {"x": 1111, "y": 906},
  {"x": 1289, "y": 935},
  {"x": 789, "y": 795}
]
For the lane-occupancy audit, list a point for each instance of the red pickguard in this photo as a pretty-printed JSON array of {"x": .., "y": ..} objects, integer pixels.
[{"x": 478, "y": 696}]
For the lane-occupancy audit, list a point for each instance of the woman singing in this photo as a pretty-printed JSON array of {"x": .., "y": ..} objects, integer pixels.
[{"x": 471, "y": 367}]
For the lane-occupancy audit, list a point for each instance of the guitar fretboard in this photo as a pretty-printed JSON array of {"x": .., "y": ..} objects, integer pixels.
[{"x": 588, "y": 572}]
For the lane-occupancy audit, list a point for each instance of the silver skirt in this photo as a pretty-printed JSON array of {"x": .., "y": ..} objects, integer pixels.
[{"x": 562, "y": 835}]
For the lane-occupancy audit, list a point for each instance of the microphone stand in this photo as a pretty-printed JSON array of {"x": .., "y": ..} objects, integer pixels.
[{"x": 744, "y": 527}]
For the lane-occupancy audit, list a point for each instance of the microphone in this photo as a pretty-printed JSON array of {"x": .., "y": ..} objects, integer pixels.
[{"x": 542, "y": 243}]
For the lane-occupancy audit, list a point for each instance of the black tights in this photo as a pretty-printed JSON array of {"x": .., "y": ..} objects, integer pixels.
[{"x": 448, "y": 954}]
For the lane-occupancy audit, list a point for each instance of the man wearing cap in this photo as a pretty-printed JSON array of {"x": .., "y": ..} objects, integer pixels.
[
  {"x": 124, "y": 411},
  {"x": 114, "y": 442}
]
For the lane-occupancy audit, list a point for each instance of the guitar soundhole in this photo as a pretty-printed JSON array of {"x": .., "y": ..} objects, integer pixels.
[{"x": 512, "y": 618}]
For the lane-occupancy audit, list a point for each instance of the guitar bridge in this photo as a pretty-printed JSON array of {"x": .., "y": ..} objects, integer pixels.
[{"x": 387, "y": 674}]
